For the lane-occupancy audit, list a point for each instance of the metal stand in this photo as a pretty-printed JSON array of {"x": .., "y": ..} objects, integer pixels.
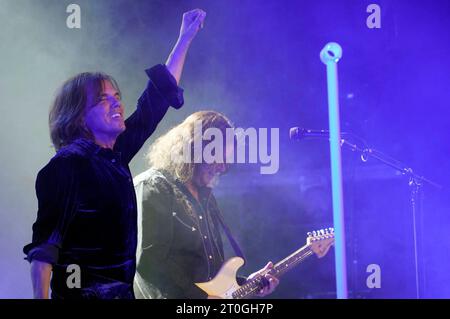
[
  {"x": 415, "y": 187},
  {"x": 415, "y": 183}
]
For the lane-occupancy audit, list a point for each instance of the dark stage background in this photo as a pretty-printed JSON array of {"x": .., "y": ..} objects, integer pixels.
[{"x": 257, "y": 62}]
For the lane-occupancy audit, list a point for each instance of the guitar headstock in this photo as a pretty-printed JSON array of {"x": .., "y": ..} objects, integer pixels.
[{"x": 320, "y": 241}]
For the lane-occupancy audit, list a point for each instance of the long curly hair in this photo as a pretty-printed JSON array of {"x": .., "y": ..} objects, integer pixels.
[{"x": 171, "y": 145}]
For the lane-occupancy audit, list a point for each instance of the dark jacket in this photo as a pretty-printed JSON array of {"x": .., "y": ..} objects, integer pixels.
[{"x": 180, "y": 242}]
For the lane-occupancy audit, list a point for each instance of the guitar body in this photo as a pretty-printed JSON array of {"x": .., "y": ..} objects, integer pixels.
[{"x": 224, "y": 283}]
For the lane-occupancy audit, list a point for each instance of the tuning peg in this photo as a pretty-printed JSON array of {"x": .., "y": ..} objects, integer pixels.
[{"x": 309, "y": 234}]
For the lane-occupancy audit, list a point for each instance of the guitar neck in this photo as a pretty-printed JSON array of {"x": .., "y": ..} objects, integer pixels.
[
  {"x": 253, "y": 285},
  {"x": 291, "y": 261}
]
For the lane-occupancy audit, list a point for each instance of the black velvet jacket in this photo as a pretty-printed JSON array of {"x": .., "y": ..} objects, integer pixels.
[{"x": 87, "y": 205}]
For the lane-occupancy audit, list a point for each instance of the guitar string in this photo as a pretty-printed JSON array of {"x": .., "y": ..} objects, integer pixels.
[{"x": 245, "y": 291}]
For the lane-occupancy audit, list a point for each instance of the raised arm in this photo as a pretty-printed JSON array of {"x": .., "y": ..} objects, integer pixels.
[
  {"x": 192, "y": 22},
  {"x": 162, "y": 91}
]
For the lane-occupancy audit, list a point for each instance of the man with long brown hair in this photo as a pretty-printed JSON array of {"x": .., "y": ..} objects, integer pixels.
[
  {"x": 180, "y": 223},
  {"x": 87, "y": 208}
]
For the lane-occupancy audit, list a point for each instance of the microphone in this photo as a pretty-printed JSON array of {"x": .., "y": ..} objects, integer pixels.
[{"x": 298, "y": 133}]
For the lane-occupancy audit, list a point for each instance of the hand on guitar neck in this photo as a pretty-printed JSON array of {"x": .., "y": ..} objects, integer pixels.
[{"x": 268, "y": 281}]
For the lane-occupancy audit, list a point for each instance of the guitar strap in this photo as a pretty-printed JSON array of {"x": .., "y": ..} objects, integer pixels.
[{"x": 233, "y": 241}]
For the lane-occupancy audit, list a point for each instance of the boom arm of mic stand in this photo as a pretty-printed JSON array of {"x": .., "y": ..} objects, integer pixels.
[{"x": 405, "y": 170}]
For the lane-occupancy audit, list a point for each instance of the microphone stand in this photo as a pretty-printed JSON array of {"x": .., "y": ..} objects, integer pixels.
[{"x": 415, "y": 183}]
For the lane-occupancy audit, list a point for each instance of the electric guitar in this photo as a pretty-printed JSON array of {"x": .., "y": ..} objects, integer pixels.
[{"x": 224, "y": 284}]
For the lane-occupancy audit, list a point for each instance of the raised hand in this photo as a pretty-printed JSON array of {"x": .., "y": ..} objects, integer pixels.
[{"x": 191, "y": 23}]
